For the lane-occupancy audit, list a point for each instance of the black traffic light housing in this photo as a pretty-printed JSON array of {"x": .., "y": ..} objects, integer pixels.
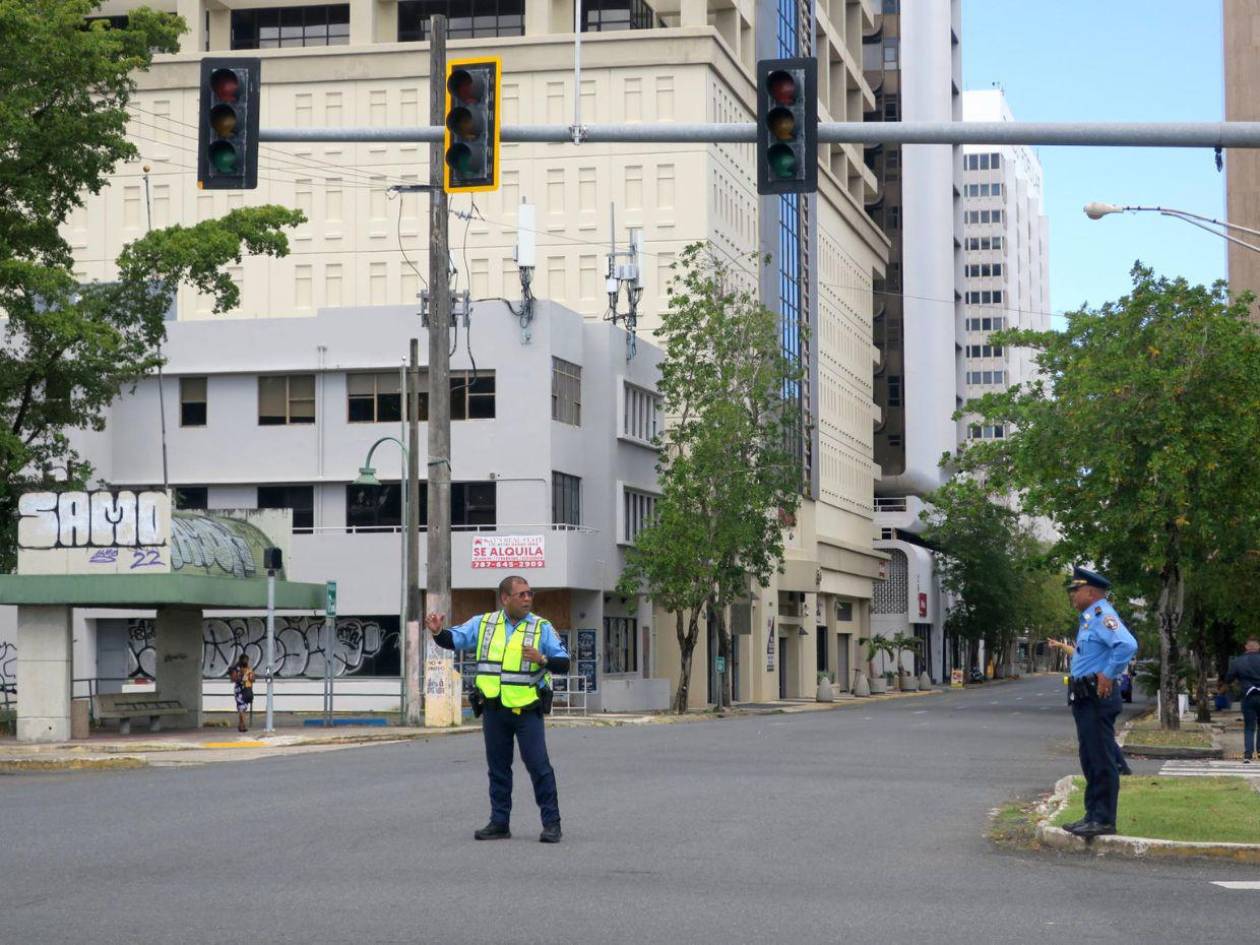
[
  {"x": 787, "y": 126},
  {"x": 227, "y": 124},
  {"x": 471, "y": 139}
]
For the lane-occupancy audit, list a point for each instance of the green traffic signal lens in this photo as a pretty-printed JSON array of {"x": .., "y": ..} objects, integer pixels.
[
  {"x": 223, "y": 120},
  {"x": 782, "y": 161},
  {"x": 460, "y": 159},
  {"x": 224, "y": 158},
  {"x": 782, "y": 124}
]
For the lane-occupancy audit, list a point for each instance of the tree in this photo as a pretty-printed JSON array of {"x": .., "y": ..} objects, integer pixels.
[
  {"x": 729, "y": 470},
  {"x": 1138, "y": 439},
  {"x": 67, "y": 349}
]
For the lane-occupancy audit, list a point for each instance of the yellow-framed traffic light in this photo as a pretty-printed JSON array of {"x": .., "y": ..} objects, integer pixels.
[{"x": 471, "y": 139}]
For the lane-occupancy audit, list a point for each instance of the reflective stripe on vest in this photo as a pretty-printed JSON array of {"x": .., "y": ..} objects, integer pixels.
[{"x": 502, "y": 671}]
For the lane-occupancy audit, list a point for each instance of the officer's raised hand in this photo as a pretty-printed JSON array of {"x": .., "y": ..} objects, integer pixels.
[{"x": 434, "y": 622}]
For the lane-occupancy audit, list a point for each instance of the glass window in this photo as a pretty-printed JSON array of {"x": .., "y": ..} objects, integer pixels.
[
  {"x": 894, "y": 390},
  {"x": 638, "y": 510},
  {"x": 465, "y": 18},
  {"x": 640, "y": 413},
  {"x": 191, "y": 497},
  {"x": 275, "y": 27},
  {"x": 192, "y": 401},
  {"x": 609, "y": 15},
  {"x": 301, "y": 499},
  {"x": 374, "y": 398},
  {"x": 566, "y": 392},
  {"x": 566, "y": 499},
  {"x": 285, "y": 399},
  {"x": 471, "y": 398},
  {"x": 473, "y": 505},
  {"x": 372, "y": 508}
]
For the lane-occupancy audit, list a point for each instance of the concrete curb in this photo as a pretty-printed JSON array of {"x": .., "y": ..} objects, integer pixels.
[{"x": 1137, "y": 848}]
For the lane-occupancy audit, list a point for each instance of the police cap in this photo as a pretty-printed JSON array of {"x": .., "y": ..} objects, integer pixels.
[{"x": 1082, "y": 577}]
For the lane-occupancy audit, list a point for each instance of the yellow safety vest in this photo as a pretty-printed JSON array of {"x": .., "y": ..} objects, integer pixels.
[{"x": 501, "y": 672}]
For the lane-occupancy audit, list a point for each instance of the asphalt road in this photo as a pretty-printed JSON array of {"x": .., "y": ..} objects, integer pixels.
[{"x": 861, "y": 825}]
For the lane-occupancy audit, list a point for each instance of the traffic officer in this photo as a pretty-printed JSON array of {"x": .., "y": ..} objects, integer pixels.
[
  {"x": 1104, "y": 647},
  {"x": 516, "y": 650},
  {"x": 1245, "y": 670}
]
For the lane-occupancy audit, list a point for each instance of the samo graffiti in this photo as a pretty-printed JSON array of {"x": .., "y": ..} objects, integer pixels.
[
  {"x": 363, "y": 646},
  {"x": 98, "y": 519}
]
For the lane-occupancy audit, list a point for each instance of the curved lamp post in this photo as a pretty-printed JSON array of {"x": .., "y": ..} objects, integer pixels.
[
  {"x": 367, "y": 477},
  {"x": 1096, "y": 211}
]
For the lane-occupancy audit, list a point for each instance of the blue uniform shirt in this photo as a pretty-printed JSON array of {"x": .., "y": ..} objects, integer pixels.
[
  {"x": 548, "y": 642},
  {"x": 1103, "y": 643}
]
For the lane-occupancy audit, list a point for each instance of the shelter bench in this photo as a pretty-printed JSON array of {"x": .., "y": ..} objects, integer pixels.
[{"x": 126, "y": 706}]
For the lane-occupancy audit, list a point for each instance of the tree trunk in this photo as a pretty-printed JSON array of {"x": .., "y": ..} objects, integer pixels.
[
  {"x": 1204, "y": 713},
  {"x": 686, "y": 648},
  {"x": 1171, "y": 601},
  {"x": 724, "y": 650}
]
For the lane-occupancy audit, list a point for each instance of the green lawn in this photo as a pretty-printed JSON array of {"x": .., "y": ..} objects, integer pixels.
[
  {"x": 1179, "y": 738},
  {"x": 1209, "y": 810}
]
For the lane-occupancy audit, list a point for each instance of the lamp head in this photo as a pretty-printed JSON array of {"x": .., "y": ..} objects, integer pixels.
[
  {"x": 367, "y": 477},
  {"x": 1096, "y": 210}
]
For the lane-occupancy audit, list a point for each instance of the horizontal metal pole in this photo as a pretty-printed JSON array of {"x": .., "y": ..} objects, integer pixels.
[{"x": 1206, "y": 134}]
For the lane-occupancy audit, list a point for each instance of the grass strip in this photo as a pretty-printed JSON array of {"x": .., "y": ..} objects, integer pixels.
[{"x": 1205, "y": 810}]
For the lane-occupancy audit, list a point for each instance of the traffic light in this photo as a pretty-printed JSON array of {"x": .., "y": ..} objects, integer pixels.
[
  {"x": 227, "y": 127},
  {"x": 472, "y": 125},
  {"x": 787, "y": 126}
]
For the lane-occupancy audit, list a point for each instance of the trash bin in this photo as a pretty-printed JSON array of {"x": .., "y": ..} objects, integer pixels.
[{"x": 80, "y": 725}]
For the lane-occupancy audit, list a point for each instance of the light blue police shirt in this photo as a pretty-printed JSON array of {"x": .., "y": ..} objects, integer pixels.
[
  {"x": 548, "y": 642},
  {"x": 1103, "y": 643}
]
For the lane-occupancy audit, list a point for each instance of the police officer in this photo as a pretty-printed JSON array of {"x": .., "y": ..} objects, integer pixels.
[
  {"x": 516, "y": 652},
  {"x": 1245, "y": 670},
  {"x": 1104, "y": 647}
]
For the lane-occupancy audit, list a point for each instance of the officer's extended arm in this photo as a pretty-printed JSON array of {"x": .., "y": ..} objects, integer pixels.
[{"x": 463, "y": 637}]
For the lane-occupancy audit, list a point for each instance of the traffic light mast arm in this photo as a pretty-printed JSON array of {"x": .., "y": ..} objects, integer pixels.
[{"x": 1202, "y": 134}]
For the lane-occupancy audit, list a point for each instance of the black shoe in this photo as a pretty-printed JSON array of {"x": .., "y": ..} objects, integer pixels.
[
  {"x": 493, "y": 831},
  {"x": 550, "y": 833},
  {"x": 1125, "y": 771},
  {"x": 1093, "y": 829},
  {"x": 1076, "y": 823}
]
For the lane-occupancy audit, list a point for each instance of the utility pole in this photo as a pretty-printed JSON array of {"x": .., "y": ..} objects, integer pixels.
[
  {"x": 414, "y": 644},
  {"x": 438, "y": 585}
]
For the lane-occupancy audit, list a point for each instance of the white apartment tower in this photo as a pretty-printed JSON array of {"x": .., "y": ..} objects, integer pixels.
[{"x": 365, "y": 62}]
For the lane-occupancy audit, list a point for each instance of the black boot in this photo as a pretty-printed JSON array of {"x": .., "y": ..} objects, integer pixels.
[
  {"x": 493, "y": 831},
  {"x": 550, "y": 833}
]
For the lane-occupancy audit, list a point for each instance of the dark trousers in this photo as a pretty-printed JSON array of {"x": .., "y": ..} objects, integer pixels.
[
  {"x": 500, "y": 726},
  {"x": 1096, "y": 742},
  {"x": 1250, "y": 714}
]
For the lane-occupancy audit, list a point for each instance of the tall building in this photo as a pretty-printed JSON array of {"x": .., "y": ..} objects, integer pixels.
[
  {"x": 913, "y": 61},
  {"x": 365, "y": 62},
  {"x": 1241, "y": 22}
]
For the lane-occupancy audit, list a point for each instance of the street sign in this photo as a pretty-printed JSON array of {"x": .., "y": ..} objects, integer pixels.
[
  {"x": 721, "y": 664},
  {"x": 330, "y": 600}
]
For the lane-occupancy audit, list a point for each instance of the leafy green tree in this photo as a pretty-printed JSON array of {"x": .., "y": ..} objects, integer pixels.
[
  {"x": 1138, "y": 440},
  {"x": 729, "y": 467},
  {"x": 66, "y": 350}
]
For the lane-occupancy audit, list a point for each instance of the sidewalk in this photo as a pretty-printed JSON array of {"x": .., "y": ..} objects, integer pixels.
[{"x": 110, "y": 750}]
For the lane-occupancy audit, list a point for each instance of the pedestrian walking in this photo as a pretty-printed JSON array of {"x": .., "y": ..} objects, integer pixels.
[
  {"x": 1245, "y": 670},
  {"x": 1122, "y": 763},
  {"x": 1104, "y": 647},
  {"x": 516, "y": 652},
  {"x": 242, "y": 677}
]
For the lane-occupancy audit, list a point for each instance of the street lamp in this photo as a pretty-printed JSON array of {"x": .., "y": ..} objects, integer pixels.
[
  {"x": 1097, "y": 210},
  {"x": 367, "y": 477}
]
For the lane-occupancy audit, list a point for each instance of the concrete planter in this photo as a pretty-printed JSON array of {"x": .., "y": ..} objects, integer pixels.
[
  {"x": 861, "y": 685},
  {"x": 878, "y": 685},
  {"x": 825, "y": 693},
  {"x": 925, "y": 682},
  {"x": 909, "y": 683}
]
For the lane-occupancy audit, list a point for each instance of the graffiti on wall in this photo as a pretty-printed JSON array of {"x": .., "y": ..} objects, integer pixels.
[
  {"x": 362, "y": 646},
  {"x": 100, "y": 519},
  {"x": 8, "y": 669}
]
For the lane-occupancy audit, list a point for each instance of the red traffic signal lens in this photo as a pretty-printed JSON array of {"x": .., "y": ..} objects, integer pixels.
[
  {"x": 223, "y": 120},
  {"x": 464, "y": 87},
  {"x": 782, "y": 161},
  {"x": 225, "y": 84},
  {"x": 224, "y": 158},
  {"x": 782, "y": 124},
  {"x": 782, "y": 87}
]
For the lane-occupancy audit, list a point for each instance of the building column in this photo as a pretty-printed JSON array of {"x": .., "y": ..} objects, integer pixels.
[
  {"x": 220, "y": 27},
  {"x": 194, "y": 14},
  {"x": 45, "y": 646},
  {"x": 372, "y": 21},
  {"x": 694, "y": 13},
  {"x": 177, "y": 650}
]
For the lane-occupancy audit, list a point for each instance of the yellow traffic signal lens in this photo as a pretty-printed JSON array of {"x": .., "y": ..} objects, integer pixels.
[
  {"x": 223, "y": 120},
  {"x": 225, "y": 85},
  {"x": 782, "y": 124},
  {"x": 464, "y": 124}
]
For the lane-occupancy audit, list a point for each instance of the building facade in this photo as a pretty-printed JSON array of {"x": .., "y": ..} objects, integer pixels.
[{"x": 365, "y": 63}]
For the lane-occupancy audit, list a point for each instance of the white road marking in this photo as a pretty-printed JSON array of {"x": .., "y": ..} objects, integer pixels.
[
  {"x": 1251, "y": 884},
  {"x": 920, "y": 711}
]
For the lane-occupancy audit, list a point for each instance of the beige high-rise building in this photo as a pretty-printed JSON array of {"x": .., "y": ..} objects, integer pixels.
[
  {"x": 365, "y": 63},
  {"x": 1241, "y": 31}
]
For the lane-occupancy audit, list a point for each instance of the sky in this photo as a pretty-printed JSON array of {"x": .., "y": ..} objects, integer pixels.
[{"x": 1111, "y": 60}]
